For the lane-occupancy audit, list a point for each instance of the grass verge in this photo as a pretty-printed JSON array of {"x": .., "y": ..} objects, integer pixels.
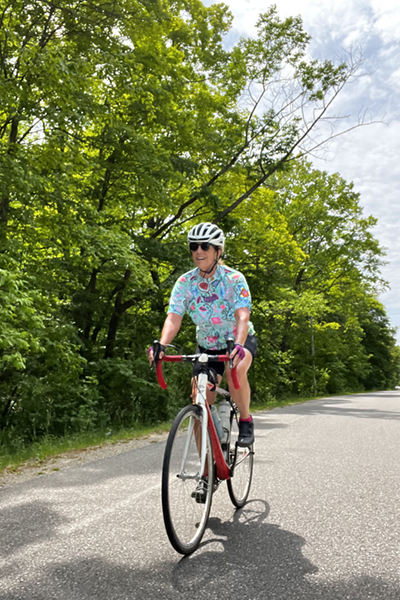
[{"x": 51, "y": 447}]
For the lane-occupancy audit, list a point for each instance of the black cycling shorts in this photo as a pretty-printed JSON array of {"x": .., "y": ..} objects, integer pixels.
[{"x": 219, "y": 367}]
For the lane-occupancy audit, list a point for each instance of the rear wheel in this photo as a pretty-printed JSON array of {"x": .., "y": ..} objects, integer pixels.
[
  {"x": 185, "y": 517},
  {"x": 241, "y": 460}
]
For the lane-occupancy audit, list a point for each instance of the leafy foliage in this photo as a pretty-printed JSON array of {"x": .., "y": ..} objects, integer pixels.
[{"x": 119, "y": 126}]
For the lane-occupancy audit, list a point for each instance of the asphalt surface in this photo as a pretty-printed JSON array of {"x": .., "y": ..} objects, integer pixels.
[{"x": 323, "y": 520}]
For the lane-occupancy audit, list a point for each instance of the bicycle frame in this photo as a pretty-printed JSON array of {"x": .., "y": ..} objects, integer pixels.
[
  {"x": 223, "y": 471},
  {"x": 222, "y": 468}
]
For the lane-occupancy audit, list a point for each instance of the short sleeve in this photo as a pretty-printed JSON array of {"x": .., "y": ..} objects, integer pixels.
[
  {"x": 242, "y": 292},
  {"x": 177, "y": 301}
]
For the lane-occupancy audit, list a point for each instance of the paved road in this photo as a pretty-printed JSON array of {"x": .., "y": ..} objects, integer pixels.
[{"x": 323, "y": 522}]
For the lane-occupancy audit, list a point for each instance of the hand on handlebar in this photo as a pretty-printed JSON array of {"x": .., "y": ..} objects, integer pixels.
[
  {"x": 155, "y": 352},
  {"x": 236, "y": 353}
]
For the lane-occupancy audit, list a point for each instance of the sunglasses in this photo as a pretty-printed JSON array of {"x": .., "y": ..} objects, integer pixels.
[{"x": 204, "y": 246}]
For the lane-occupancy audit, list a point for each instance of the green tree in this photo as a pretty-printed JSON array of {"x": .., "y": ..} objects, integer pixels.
[
  {"x": 380, "y": 345},
  {"x": 338, "y": 271},
  {"x": 119, "y": 125},
  {"x": 99, "y": 107}
]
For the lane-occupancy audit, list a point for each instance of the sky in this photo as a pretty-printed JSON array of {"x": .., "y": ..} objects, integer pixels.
[{"x": 367, "y": 156}]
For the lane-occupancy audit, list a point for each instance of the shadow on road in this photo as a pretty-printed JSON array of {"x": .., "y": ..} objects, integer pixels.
[
  {"x": 246, "y": 558},
  {"x": 25, "y": 524}
]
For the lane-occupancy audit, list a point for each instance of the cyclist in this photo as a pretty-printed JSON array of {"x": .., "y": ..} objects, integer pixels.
[{"x": 218, "y": 300}]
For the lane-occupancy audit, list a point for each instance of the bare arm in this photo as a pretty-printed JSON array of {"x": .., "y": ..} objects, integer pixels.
[
  {"x": 242, "y": 317},
  {"x": 172, "y": 325}
]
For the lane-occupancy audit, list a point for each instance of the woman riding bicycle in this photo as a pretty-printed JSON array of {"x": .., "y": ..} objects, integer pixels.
[{"x": 217, "y": 298}]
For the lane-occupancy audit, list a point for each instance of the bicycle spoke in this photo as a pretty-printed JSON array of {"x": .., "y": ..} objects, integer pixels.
[
  {"x": 242, "y": 459},
  {"x": 185, "y": 517}
]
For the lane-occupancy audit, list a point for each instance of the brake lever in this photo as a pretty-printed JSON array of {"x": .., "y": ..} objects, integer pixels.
[
  {"x": 230, "y": 344},
  {"x": 156, "y": 351}
]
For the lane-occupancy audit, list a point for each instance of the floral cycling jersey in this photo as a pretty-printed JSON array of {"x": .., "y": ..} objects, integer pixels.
[{"x": 211, "y": 303}]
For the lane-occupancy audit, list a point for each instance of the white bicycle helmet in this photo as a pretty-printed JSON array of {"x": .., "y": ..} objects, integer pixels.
[{"x": 207, "y": 232}]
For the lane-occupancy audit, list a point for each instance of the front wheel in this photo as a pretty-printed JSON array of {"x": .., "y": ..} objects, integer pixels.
[
  {"x": 185, "y": 516},
  {"x": 241, "y": 462}
]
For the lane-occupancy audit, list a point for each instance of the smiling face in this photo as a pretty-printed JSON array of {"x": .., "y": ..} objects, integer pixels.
[{"x": 205, "y": 259}]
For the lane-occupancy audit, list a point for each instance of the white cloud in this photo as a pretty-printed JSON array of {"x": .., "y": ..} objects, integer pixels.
[
  {"x": 394, "y": 80},
  {"x": 387, "y": 21},
  {"x": 370, "y": 156}
]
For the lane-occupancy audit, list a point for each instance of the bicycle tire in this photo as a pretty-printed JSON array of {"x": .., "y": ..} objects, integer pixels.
[
  {"x": 185, "y": 519},
  {"x": 242, "y": 461}
]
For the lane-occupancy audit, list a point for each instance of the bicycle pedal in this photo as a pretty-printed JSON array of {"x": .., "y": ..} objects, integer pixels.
[{"x": 200, "y": 493}]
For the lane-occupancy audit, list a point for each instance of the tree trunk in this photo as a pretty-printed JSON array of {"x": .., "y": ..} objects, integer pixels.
[
  {"x": 5, "y": 198},
  {"x": 91, "y": 288},
  {"x": 119, "y": 309},
  {"x": 5, "y": 411}
]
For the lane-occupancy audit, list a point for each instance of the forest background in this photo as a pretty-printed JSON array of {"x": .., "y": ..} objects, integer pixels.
[{"x": 121, "y": 125}]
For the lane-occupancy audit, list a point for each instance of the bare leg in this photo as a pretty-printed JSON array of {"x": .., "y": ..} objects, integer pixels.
[{"x": 241, "y": 396}]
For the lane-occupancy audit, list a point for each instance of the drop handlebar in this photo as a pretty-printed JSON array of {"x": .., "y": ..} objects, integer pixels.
[{"x": 192, "y": 358}]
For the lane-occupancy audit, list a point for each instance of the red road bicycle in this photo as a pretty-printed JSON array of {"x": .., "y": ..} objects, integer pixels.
[{"x": 195, "y": 453}]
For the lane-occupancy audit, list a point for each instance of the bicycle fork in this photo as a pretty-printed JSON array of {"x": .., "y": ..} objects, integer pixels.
[{"x": 202, "y": 447}]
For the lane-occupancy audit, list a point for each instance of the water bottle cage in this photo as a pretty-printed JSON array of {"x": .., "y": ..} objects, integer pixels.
[{"x": 225, "y": 417}]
